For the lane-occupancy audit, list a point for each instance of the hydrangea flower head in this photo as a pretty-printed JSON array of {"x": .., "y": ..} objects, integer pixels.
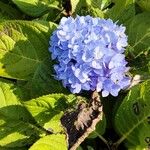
[{"x": 89, "y": 52}]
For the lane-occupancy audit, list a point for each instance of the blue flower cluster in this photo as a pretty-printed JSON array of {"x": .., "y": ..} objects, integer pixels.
[{"x": 90, "y": 55}]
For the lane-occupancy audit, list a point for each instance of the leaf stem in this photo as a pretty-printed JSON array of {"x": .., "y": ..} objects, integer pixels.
[
  {"x": 103, "y": 139},
  {"x": 116, "y": 144}
]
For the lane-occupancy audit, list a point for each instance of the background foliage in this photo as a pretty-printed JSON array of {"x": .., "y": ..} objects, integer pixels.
[{"x": 30, "y": 106}]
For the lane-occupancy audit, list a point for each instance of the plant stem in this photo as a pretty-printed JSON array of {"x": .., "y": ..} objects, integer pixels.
[
  {"x": 103, "y": 139},
  {"x": 116, "y": 144}
]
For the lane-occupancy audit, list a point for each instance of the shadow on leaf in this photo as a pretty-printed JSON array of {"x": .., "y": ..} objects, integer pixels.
[{"x": 17, "y": 127}]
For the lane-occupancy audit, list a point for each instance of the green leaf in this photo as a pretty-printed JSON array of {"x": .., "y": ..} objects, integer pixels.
[
  {"x": 138, "y": 147},
  {"x": 100, "y": 4},
  {"x": 4, "y": 16},
  {"x": 144, "y": 4},
  {"x": 7, "y": 96},
  {"x": 122, "y": 10},
  {"x": 24, "y": 55},
  {"x": 15, "y": 148},
  {"x": 53, "y": 15},
  {"x": 138, "y": 31},
  {"x": 51, "y": 142},
  {"x": 47, "y": 110},
  {"x": 8, "y": 12},
  {"x": 79, "y": 148},
  {"x": 104, "y": 3},
  {"x": 88, "y": 7},
  {"x": 74, "y": 4},
  {"x": 23, "y": 47},
  {"x": 90, "y": 147},
  {"x": 43, "y": 82},
  {"x": 132, "y": 119},
  {"x": 141, "y": 68},
  {"x": 16, "y": 123},
  {"x": 37, "y": 8},
  {"x": 18, "y": 88},
  {"x": 15, "y": 133}
]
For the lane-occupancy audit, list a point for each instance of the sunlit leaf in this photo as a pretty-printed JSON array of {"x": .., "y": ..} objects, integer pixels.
[
  {"x": 47, "y": 110},
  {"x": 51, "y": 142},
  {"x": 17, "y": 127},
  {"x": 36, "y": 7}
]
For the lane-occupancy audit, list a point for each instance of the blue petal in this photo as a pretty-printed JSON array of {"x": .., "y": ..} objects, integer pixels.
[
  {"x": 76, "y": 88},
  {"x": 115, "y": 89},
  {"x": 89, "y": 53},
  {"x": 105, "y": 93}
]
